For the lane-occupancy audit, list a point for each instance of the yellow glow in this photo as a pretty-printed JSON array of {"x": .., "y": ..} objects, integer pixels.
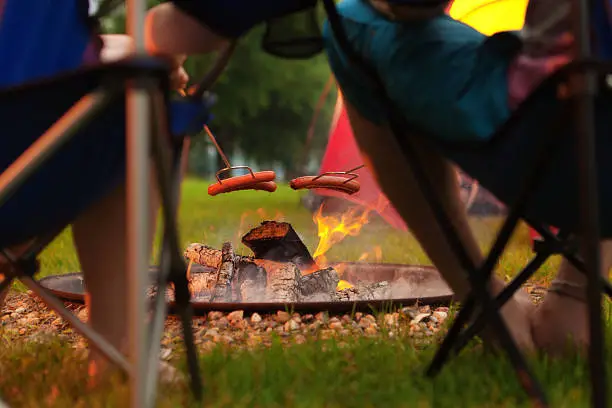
[{"x": 490, "y": 16}]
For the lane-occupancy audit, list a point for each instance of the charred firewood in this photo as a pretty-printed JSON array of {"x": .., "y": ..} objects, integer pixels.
[
  {"x": 208, "y": 256},
  {"x": 278, "y": 241},
  {"x": 252, "y": 291},
  {"x": 323, "y": 281},
  {"x": 282, "y": 281},
  {"x": 223, "y": 287},
  {"x": 255, "y": 275}
]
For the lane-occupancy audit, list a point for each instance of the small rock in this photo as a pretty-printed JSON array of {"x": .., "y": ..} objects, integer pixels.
[
  {"x": 425, "y": 309},
  {"x": 358, "y": 316},
  {"x": 326, "y": 334},
  {"x": 165, "y": 354},
  {"x": 369, "y": 317},
  {"x": 307, "y": 318},
  {"x": 391, "y": 319},
  {"x": 211, "y": 333},
  {"x": 227, "y": 340},
  {"x": 322, "y": 317},
  {"x": 408, "y": 313},
  {"x": 215, "y": 315},
  {"x": 282, "y": 317},
  {"x": 222, "y": 323},
  {"x": 256, "y": 318},
  {"x": 441, "y": 316},
  {"x": 299, "y": 339},
  {"x": 334, "y": 320},
  {"x": 83, "y": 315},
  {"x": 370, "y": 331},
  {"x": 346, "y": 319},
  {"x": 20, "y": 310},
  {"x": 292, "y": 325},
  {"x": 254, "y": 340},
  {"x": 364, "y": 324},
  {"x": 235, "y": 316},
  {"x": 315, "y": 326},
  {"x": 335, "y": 326},
  {"x": 420, "y": 317}
]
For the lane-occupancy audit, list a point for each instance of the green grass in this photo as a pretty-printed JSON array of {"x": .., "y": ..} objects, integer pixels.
[{"x": 352, "y": 372}]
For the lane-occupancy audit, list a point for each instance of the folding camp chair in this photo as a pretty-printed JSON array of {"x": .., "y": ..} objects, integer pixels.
[
  {"x": 547, "y": 146},
  {"x": 56, "y": 100}
]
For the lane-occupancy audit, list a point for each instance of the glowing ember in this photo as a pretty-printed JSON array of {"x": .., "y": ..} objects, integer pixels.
[{"x": 342, "y": 284}]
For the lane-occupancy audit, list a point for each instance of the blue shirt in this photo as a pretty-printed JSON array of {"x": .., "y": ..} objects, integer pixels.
[{"x": 447, "y": 78}]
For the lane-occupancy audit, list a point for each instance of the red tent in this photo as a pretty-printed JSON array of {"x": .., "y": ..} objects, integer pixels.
[{"x": 342, "y": 153}]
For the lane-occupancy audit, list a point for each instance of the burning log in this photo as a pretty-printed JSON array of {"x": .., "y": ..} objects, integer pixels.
[
  {"x": 278, "y": 241},
  {"x": 223, "y": 288},
  {"x": 282, "y": 283},
  {"x": 323, "y": 281},
  {"x": 274, "y": 274},
  {"x": 208, "y": 256},
  {"x": 251, "y": 291},
  {"x": 250, "y": 282}
]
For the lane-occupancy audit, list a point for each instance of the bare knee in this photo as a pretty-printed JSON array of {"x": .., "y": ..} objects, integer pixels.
[{"x": 170, "y": 31}]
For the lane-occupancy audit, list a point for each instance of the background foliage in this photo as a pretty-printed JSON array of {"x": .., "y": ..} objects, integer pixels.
[{"x": 264, "y": 105}]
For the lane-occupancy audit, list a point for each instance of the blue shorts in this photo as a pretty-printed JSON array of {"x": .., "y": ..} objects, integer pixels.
[
  {"x": 447, "y": 78},
  {"x": 234, "y": 18}
]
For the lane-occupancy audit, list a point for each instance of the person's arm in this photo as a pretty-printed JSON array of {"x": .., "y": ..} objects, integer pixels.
[{"x": 169, "y": 31}]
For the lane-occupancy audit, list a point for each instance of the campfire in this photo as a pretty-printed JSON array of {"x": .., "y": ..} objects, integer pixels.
[
  {"x": 283, "y": 271},
  {"x": 281, "y": 268}
]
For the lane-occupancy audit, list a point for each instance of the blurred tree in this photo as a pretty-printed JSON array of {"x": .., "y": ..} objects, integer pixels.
[{"x": 264, "y": 105}]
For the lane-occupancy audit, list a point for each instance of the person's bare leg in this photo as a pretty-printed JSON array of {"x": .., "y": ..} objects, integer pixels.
[
  {"x": 561, "y": 323},
  {"x": 382, "y": 155},
  {"x": 99, "y": 236},
  {"x": 169, "y": 31}
]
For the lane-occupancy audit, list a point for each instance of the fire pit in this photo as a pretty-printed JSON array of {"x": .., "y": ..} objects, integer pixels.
[{"x": 282, "y": 274}]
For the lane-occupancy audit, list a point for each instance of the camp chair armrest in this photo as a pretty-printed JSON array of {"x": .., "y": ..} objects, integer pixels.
[{"x": 114, "y": 72}]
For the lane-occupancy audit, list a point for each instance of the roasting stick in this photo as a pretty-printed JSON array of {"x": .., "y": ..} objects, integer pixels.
[
  {"x": 342, "y": 181},
  {"x": 261, "y": 180}
]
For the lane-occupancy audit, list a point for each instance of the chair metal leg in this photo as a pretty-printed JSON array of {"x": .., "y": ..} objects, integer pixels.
[
  {"x": 584, "y": 91},
  {"x": 173, "y": 267},
  {"x": 578, "y": 263},
  {"x": 138, "y": 189}
]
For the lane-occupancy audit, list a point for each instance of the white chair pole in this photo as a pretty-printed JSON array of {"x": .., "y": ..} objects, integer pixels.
[{"x": 138, "y": 138}]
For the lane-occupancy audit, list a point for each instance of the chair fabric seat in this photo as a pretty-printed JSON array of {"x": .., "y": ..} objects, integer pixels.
[
  {"x": 89, "y": 166},
  {"x": 500, "y": 166}
]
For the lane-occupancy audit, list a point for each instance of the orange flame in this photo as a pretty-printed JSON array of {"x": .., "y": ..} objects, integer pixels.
[{"x": 333, "y": 229}]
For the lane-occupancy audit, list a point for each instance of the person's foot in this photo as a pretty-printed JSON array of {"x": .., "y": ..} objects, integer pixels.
[
  {"x": 516, "y": 313},
  {"x": 560, "y": 325}
]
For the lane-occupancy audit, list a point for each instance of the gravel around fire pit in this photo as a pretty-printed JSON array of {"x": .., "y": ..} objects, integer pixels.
[{"x": 24, "y": 317}]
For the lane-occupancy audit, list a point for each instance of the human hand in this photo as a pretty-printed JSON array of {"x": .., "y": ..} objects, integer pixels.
[{"x": 118, "y": 46}]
